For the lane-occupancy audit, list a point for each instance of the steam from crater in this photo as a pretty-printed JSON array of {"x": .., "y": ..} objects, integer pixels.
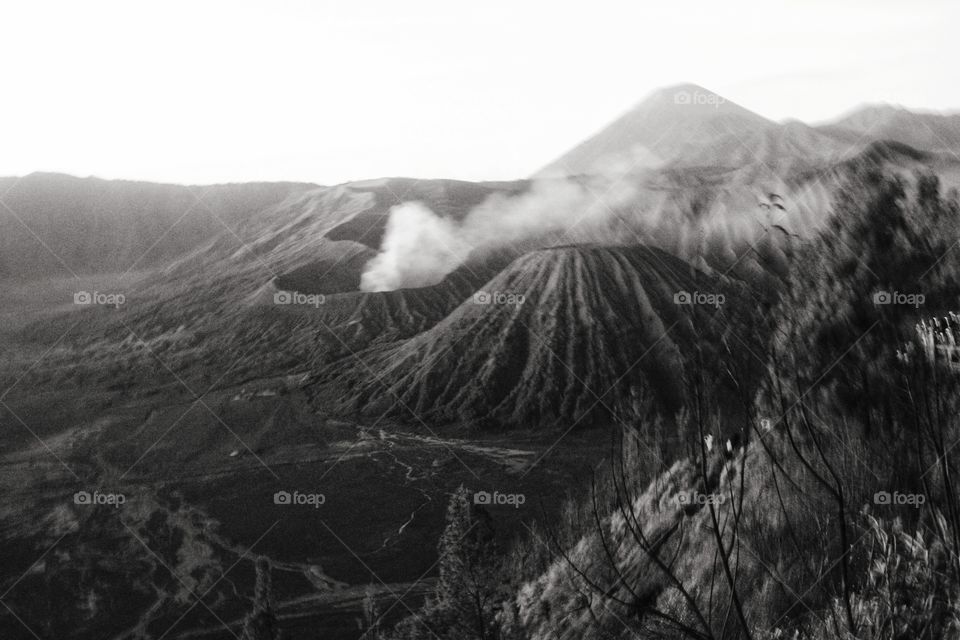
[
  {"x": 417, "y": 246},
  {"x": 420, "y": 248}
]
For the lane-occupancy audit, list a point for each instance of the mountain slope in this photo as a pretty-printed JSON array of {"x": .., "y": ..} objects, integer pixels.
[
  {"x": 597, "y": 333},
  {"x": 656, "y": 551},
  {"x": 669, "y": 124},
  {"x": 769, "y": 153},
  {"x": 58, "y": 225},
  {"x": 924, "y": 131}
]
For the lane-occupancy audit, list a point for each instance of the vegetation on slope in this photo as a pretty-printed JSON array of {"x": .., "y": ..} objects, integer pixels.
[{"x": 818, "y": 515}]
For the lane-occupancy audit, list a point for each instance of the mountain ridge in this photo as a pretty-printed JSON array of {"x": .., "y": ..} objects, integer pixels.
[{"x": 688, "y": 125}]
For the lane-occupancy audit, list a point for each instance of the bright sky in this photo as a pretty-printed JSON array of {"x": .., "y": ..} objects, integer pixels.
[{"x": 212, "y": 91}]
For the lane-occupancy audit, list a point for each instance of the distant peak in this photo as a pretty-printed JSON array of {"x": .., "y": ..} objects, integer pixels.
[
  {"x": 870, "y": 113},
  {"x": 683, "y": 86},
  {"x": 664, "y": 126},
  {"x": 877, "y": 109},
  {"x": 686, "y": 94},
  {"x": 690, "y": 100},
  {"x": 881, "y": 107}
]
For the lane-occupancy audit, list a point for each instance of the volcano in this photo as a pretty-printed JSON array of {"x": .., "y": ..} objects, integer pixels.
[
  {"x": 670, "y": 124},
  {"x": 566, "y": 335}
]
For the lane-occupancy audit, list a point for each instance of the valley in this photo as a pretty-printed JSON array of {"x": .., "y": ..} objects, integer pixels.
[{"x": 196, "y": 517}]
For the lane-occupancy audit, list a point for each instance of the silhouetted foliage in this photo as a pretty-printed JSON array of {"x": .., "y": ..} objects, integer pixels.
[{"x": 468, "y": 592}]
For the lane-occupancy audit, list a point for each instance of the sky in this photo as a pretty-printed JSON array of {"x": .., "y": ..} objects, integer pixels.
[{"x": 208, "y": 91}]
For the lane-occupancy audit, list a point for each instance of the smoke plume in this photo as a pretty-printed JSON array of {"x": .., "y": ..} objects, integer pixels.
[
  {"x": 417, "y": 246},
  {"x": 420, "y": 248}
]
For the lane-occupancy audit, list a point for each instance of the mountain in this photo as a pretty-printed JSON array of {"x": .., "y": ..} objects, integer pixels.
[
  {"x": 566, "y": 335},
  {"x": 668, "y": 125},
  {"x": 213, "y": 299},
  {"x": 690, "y": 129},
  {"x": 359, "y": 319},
  {"x": 735, "y": 192},
  {"x": 924, "y": 131},
  {"x": 711, "y": 179},
  {"x": 210, "y": 253}
]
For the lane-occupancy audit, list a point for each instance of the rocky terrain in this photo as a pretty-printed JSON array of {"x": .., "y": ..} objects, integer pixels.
[{"x": 541, "y": 341}]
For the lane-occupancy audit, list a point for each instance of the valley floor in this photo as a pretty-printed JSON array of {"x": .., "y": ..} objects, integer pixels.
[{"x": 199, "y": 482}]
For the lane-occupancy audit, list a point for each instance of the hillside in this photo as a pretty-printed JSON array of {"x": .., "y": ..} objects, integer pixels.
[
  {"x": 596, "y": 336},
  {"x": 58, "y": 225},
  {"x": 924, "y": 131},
  {"x": 667, "y": 125}
]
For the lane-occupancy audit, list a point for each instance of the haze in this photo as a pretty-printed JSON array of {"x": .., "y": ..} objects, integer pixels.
[{"x": 329, "y": 92}]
